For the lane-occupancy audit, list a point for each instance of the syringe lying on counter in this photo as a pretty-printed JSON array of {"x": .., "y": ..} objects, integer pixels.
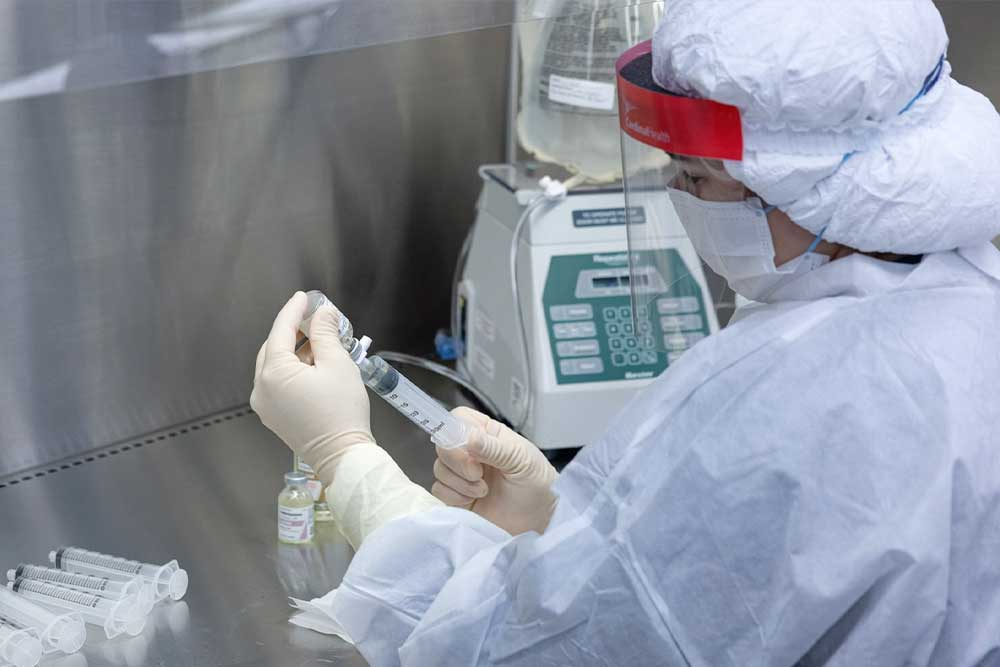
[
  {"x": 114, "y": 589},
  {"x": 445, "y": 429},
  {"x": 58, "y": 632},
  {"x": 168, "y": 580},
  {"x": 115, "y": 616}
]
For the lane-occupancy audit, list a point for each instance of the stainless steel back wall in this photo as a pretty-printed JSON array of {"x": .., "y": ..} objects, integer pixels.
[{"x": 150, "y": 231}]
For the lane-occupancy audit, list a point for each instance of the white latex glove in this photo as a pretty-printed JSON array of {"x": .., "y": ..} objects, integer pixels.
[
  {"x": 320, "y": 410},
  {"x": 499, "y": 475}
]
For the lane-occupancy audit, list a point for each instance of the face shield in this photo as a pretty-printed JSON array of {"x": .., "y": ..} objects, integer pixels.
[{"x": 673, "y": 149}]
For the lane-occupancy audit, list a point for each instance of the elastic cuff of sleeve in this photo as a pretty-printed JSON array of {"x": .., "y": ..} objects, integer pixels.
[{"x": 368, "y": 490}]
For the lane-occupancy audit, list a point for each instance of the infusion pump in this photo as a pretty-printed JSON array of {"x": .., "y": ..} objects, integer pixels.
[{"x": 588, "y": 352}]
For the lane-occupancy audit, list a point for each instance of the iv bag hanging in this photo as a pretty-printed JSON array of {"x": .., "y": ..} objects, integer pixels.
[{"x": 568, "y": 111}]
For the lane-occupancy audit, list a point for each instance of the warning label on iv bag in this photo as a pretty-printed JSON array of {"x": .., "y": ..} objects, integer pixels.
[
  {"x": 581, "y": 93},
  {"x": 580, "y": 47}
]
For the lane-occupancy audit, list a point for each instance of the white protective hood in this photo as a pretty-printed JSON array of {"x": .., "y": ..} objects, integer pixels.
[{"x": 821, "y": 87}]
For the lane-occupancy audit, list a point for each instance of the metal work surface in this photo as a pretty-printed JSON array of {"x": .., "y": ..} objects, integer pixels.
[{"x": 204, "y": 494}]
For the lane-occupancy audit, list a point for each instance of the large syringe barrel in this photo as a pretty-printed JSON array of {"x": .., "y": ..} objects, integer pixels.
[
  {"x": 445, "y": 429},
  {"x": 113, "y": 589}
]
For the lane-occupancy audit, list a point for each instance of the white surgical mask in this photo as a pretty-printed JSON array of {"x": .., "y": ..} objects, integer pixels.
[{"x": 735, "y": 240}]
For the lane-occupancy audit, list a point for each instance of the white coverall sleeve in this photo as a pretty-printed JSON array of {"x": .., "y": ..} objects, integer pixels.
[
  {"x": 716, "y": 524},
  {"x": 399, "y": 571}
]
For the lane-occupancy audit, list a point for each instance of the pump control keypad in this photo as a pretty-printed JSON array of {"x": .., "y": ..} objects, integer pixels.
[
  {"x": 589, "y": 317},
  {"x": 627, "y": 349}
]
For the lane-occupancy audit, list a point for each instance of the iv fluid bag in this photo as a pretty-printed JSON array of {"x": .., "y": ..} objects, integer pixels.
[{"x": 569, "y": 108}]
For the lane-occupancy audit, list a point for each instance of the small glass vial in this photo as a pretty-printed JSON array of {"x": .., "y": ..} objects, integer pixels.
[
  {"x": 296, "y": 516},
  {"x": 315, "y": 487}
]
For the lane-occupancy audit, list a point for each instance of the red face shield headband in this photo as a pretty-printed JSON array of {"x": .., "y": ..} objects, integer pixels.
[{"x": 683, "y": 125}]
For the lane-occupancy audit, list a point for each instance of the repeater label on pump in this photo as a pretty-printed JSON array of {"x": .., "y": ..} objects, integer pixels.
[{"x": 608, "y": 217}]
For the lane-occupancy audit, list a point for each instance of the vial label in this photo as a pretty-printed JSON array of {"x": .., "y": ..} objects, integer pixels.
[{"x": 295, "y": 524}]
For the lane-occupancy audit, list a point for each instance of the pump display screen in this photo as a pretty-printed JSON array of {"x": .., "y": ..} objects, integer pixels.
[
  {"x": 604, "y": 282},
  {"x": 607, "y": 282}
]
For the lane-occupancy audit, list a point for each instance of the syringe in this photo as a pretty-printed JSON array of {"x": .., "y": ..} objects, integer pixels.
[
  {"x": 168, "y": 580},
  {"x": 59, "y": 632},
  {"x": 113, "y": 589},
  {"x": 19, "y": 647},
  {"x": 115, "y": 616},
  {"x": 445, "y": 429}
]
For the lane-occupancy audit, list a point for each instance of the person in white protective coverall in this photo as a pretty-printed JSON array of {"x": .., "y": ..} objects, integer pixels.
[{"x": 819, "y": 483}]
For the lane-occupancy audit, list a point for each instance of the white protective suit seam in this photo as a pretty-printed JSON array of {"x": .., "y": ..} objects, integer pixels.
[
  {"x": 617, "y": 538},
  {"x": 515, "y": 564},
  {"x": 650, "y": 599},
  {"x": 604, "y": 494}
]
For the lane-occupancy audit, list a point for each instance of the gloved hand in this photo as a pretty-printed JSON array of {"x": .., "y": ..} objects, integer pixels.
[
  {"x": 315, "y": 402},
  {"x": 499, "y": 475},
  {"x": 318, "y": 410}
]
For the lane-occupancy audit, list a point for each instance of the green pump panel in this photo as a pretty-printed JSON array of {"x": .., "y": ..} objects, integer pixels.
[{"x": 588, "y": 315}]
